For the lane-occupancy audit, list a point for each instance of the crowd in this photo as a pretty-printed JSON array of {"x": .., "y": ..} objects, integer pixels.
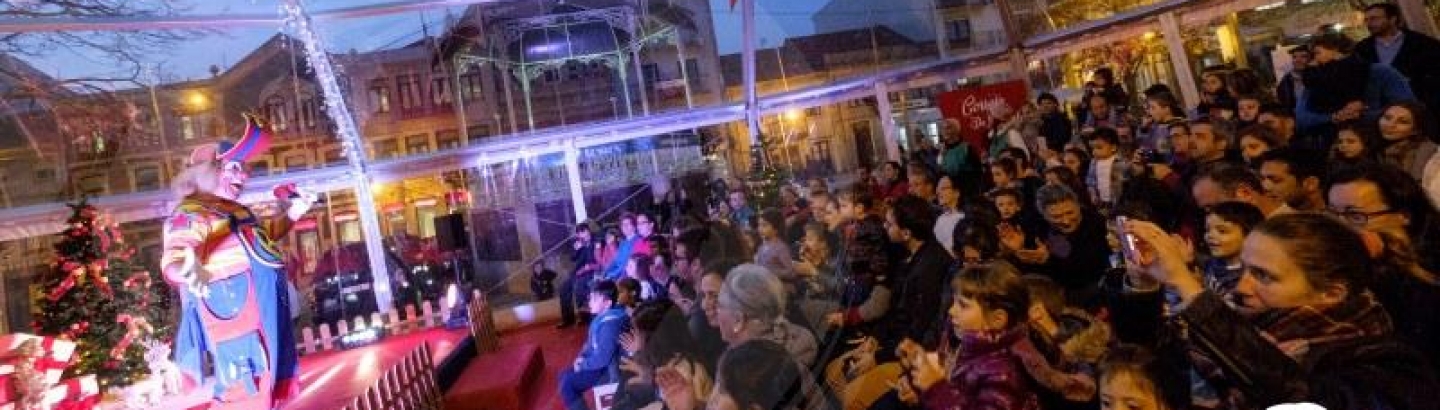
[{"x": 1274, "y": 244}]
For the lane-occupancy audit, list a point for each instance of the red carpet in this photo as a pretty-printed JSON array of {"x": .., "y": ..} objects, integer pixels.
[
  {"x": 330, "y": 380},
  {"x": 558, "y": 349}
]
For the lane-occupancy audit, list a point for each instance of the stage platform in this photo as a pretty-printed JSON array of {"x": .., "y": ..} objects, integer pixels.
[{"x": 330, "y": 380}]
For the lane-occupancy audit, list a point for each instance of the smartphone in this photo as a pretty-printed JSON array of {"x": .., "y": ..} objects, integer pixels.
[{"x": 1127, "y": 240}]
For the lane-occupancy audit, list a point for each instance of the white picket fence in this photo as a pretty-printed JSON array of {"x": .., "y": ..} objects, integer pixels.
[{"x": 325, "y": 337}]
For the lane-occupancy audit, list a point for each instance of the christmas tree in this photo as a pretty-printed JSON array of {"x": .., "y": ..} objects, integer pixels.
[{"x": 99, "y": 295}]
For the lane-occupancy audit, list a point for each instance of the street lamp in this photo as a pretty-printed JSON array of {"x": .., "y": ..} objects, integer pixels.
[{"x": 196, "y": 100}]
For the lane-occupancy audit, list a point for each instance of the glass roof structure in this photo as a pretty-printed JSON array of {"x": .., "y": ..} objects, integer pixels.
[{"x": 541, "y": 111}]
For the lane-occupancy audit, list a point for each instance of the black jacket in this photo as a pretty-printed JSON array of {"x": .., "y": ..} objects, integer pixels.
[
  {"x": 1418, "y": 60},
  {"x": 915, "y": 310},
  {"x": 1285, "y": 91},
  {"x": 1078, "y": 260},
  {"x": 1057, "y": 130}
]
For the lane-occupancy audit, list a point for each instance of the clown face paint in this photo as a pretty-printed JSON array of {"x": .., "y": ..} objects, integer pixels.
[{"x": 232, "y": 180}]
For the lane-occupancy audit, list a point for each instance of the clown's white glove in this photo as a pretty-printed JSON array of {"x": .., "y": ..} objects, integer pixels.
[
  {"x": 193, "y": 276},
  {"x": 300, "y": 204}
]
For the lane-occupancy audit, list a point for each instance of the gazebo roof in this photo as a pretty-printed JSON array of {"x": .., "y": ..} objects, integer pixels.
[{"x": 567, "y": 41}]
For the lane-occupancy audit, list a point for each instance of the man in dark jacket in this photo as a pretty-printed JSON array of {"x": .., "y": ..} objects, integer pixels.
[
  {"x": 1075, "y": 252},
  {"x": 916, "y": 310},
  {"x": 578, "y": 284},
  {"x": 1054, "y": 124},
  {"x": 1292, "y": 86},
  {"x": 1415, "y": 55}
]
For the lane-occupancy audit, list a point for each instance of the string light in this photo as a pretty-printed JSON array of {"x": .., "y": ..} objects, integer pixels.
[{"x": 350, "y": 141}]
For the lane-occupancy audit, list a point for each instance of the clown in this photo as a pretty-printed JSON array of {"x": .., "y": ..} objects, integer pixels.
[{"x": 235, "y": 315}]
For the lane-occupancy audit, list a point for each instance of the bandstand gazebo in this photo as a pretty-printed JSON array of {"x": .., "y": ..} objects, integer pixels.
[{"x": 528, "y": 47}]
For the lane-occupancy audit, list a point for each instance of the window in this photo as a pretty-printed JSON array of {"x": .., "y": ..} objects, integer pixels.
[
  {"x": 417, "y": 144},
  {"x": 333, "y": 157},
  {"x": 308, "y": 107},
  {"x": 350, "y": 231},
  {"x": 574, "y": 70},
  {"x": 296, "y": 162},
  {"x": 477, "y": 132},
  {"x": 425, "y": 215},
  {"x": 276, "y": 112},
  {"x": 692, "y": 71},
  {"x": 470, "y": 85},
  {"x": 45, "y": 175},
  {"x": 651, "y": 72},
  {"x": 958, "y": 31},
  {"x": 552, "y": 75},
  {"x": 147, "y": 178},
  {"x": 187, "y": 127},
  {"x": 440, "y": 92},
  {"x": 94, "y": 184},
  {"x": 387, "y": 148},
  {"x": 380, "y": 95},
  {"x": 447, "y": 139},
  {"x": 260, "y": 167},
  {"x": 407, "y": 88}
]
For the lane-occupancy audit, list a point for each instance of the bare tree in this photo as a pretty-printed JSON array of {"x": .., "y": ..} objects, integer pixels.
[
  {"x": 124, "y": 51},
  {"x": 57, "y": 113}
]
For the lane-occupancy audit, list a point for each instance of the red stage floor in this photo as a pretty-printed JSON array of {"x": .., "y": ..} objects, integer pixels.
[{"x": 330, "y": 380}]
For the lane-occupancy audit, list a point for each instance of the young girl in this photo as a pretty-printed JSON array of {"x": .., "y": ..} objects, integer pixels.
[
  {"x": 1355, "y": 143},
  {"x": 1133, "y": 378},
  {"x": 988, "y": 316},
  {"x": 639, "y": 269},
  {"x": 1226, "y": 225},
  {"x": 605, "y": 253},
  {"x": 773, "y": 253}
]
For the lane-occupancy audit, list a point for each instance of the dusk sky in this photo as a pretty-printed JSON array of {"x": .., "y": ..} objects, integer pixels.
[{"x": 777, "y": 21}]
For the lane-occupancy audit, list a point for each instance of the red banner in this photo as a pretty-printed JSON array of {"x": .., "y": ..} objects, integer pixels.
[{"x": 973, "y": 107}]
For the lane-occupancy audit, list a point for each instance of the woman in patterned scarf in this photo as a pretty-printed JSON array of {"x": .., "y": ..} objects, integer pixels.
[{"x": 1320, "y": 336}]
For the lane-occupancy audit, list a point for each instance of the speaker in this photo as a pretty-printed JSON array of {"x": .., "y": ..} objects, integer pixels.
[{"x": 450, "y": 232}]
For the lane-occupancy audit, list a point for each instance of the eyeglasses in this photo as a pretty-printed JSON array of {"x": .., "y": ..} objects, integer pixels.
[{"x": 1358, "y": 217}]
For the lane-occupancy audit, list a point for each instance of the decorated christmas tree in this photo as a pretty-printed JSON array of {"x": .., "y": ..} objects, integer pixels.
[{"x": 98, "y": 294}]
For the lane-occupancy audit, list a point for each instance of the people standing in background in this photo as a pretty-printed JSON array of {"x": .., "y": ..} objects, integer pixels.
[
  {"x": 1292, "y": 86},
  {"x": 1055, "y": 126},
  {"x": 1342, "y": 87},
  {"x": 960, "y": 161},
  {"x": 585, "y": 259},
  {"x": 1415, "y": 55}
]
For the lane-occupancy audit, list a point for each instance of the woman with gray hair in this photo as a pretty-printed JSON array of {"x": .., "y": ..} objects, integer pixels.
[{"x": 751, "y": 306}]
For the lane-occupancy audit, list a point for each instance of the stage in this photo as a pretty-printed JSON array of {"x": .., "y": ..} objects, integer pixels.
[{"x": 330, "y": 380}]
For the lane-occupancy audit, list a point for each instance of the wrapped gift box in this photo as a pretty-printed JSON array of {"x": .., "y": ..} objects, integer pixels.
[
  {"x": 56, "y": 357},
  {"x": 78, "y": 393}
]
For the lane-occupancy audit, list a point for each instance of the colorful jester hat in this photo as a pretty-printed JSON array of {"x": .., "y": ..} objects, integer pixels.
[{"x": 253, "y": 143}]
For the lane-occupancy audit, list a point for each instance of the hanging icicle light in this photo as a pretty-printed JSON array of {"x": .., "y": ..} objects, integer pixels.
[{"x": 350, "y": 141}]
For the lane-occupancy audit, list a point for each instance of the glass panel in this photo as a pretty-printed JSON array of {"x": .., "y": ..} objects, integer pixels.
[
  {"x": 109, "y": 113},
  {"x": 813, "y": 43},
  {"x": 1040, "y": 17}
]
